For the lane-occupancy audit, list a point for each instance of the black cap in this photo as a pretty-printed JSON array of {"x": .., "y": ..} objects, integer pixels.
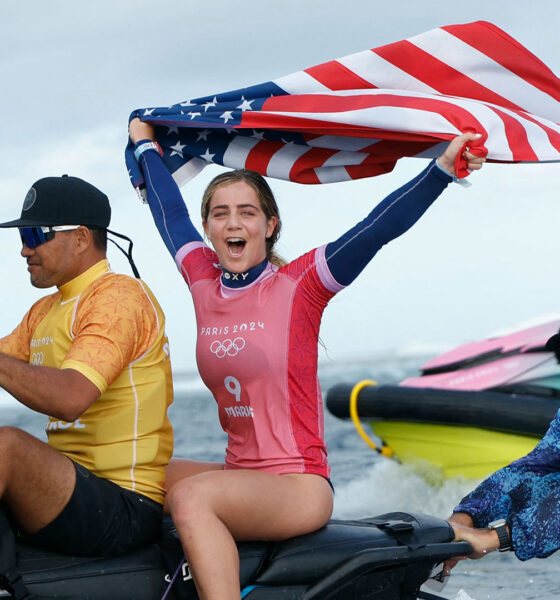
[{"x": 63, "y": 201}]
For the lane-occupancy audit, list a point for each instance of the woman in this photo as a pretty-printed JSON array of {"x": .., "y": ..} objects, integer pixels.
[{"x": 258, "y": 326}]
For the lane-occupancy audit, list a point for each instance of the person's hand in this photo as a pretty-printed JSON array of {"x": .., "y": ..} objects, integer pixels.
[
  {"x": 462, "y": 524},
  {"x": 483, "y": 541},
  {"x": 450, "y": 563},
  {"x": 461, "y": 518},
  {"x": 138, "y": 130},
  {"x": 447, "y": 159}
]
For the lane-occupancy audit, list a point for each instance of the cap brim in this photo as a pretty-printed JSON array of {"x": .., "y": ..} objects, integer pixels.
[{"x": 30, "y": 223}]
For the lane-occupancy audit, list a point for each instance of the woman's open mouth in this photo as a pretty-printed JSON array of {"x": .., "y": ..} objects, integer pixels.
[{"x": 236, "y": 246}]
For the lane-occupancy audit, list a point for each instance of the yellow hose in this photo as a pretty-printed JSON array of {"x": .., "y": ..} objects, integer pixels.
[{"x": 384, "y": 450}]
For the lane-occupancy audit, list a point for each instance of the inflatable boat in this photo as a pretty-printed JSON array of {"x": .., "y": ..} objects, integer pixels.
[
  {"x": 471, "y": 410},
  {"x": 384, "y": 557}
]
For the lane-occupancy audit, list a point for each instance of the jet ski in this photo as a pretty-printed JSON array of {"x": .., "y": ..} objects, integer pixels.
[
  {"x": 386, "y": 557},
  {"x": 470, "y": 411}
]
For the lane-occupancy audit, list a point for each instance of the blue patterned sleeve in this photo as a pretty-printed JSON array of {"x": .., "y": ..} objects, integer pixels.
[
  {"x": 527, "y": 494},
  {"x": 166, "y": 203},
  {"x": 349, "y": 255}
]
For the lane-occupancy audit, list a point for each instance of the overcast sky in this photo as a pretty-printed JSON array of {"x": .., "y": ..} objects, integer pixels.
[{"x": 481, "y": 259}]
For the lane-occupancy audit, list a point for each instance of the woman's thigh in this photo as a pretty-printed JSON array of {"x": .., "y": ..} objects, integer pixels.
[
  {"x": 256, "y": 505},
  {"x": 181, "y": 468}
]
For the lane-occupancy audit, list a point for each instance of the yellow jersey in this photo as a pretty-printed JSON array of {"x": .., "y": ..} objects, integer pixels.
[{"x": 111, "y": 329}]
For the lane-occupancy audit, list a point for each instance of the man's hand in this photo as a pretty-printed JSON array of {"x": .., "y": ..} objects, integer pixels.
[
  {"x": 447, "y": 159},
  {"x": 461, "y": 518},
  {"x": 482, "y": 541}
]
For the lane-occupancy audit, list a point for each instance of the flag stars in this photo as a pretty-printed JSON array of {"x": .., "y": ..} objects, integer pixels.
[
  {"x": 148, "y": 112},
  {"x": 258, "y": 134},
  {"x": 177, "y": 149},
  {"x": 187, "y": 103},
  {"x": 207, "y": 156},
  {"x": 246, "y": 104},
  {"x": 203, "y": 135},
  {"x": 211, "y": 104},
  {"x": 171, "y": 130},
  {"x": 227, "y": 116},
  {"x": 193, "y": 115}
]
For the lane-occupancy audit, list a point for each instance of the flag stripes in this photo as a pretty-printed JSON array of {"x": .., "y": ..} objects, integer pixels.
[{"x": 356, "y": 116}]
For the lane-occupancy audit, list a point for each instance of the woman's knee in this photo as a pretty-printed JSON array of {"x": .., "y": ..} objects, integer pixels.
[{"x": 189, "y": 498}]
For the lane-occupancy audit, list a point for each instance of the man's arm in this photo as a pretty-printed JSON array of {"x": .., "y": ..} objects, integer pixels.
[
  {"x": 61, "y": 393},
  {"x": 492, "y": 498}
]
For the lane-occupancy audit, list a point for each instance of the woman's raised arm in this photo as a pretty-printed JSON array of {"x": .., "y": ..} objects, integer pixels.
[
  {"x": 164, "y": 198},
  {"x": 349, "y": 255}
]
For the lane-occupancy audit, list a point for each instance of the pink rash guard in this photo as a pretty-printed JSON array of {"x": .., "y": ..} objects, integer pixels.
[
  {"x": 257, "y": 353},
  {"x": 258, "y": 331}
]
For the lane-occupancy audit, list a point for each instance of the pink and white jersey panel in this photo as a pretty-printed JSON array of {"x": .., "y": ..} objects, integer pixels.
[{"x": 257, "y": 353}]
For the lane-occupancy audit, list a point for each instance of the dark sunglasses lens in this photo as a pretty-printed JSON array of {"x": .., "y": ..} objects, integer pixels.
[{"x": 34, "y": 236}]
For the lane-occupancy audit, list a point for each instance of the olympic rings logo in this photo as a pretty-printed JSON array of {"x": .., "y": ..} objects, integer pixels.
[{"x": 227, "y": 347}]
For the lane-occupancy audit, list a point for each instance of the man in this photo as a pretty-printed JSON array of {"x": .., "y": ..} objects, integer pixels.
[
  {"x": 93, "y": 357},
  {"x": 517, "y": 508}
]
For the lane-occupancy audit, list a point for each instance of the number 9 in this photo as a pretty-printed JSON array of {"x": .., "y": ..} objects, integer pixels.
[{"x": 233, "y": 387}]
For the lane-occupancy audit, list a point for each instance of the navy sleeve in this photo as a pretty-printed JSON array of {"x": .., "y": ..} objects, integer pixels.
[
  {"x": 166, "y": 203},
  {"x": 527, "y": 494},
  {"x": 349, "y": 255}
]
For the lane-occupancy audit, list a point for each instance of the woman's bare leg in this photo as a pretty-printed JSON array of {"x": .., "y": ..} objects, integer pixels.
[
  {"x": 179, "y": 468},
  {"x": 212, "y": 509}
]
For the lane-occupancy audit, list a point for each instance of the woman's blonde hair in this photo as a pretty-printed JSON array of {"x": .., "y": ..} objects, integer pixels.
[{"x": 266, "y": 199}]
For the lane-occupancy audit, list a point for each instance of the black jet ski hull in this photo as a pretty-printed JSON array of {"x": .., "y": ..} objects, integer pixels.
[{"x": 386, "y": 557}]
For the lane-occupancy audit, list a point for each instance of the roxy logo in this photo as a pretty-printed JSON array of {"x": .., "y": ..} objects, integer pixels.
[{"x": 227, "y": 347}]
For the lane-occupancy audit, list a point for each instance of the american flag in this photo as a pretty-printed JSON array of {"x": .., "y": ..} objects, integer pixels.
[{"x": 356, "y": 116}]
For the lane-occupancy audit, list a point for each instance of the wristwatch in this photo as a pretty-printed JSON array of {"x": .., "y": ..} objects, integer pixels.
[
  {"x": 499, "y": 525},
  {"x": 152, "y": 145}
]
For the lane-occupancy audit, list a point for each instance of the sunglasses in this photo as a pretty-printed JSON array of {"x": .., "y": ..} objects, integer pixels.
[{"x": 35, "y": 236}]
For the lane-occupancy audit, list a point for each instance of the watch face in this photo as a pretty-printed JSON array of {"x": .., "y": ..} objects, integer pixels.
[{"x": 497, "y": 523}]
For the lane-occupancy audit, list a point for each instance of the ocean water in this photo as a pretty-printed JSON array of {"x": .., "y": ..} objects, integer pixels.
[{"x": 366, "y": 484}]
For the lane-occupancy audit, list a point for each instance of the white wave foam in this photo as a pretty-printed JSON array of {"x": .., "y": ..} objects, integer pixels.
[{"x": 389, "y": 486}]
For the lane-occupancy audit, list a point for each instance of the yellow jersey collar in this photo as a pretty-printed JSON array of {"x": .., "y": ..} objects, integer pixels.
[{"x": 77, "y": 285}]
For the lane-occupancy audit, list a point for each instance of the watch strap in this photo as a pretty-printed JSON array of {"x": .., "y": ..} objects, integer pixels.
[
  {"x": 500, "y": 528},
  {"x": 147, "y": 146}
]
